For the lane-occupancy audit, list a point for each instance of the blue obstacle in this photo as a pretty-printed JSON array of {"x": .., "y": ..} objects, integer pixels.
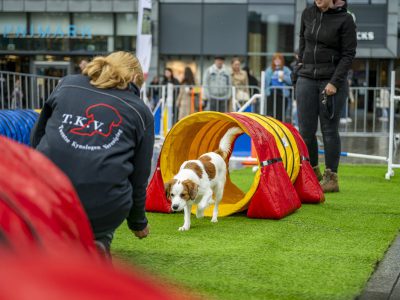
[{"x": 17, "y": 124}]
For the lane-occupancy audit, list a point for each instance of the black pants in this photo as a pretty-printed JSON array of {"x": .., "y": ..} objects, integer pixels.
[
  {"x": 103, "y": 243},
  {"x": 275, "y": 103},
  {"x": 221, "y": 105},
  {"x": 310, "y": 108}
]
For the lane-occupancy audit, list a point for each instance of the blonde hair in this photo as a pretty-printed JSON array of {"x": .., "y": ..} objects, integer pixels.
[
  {"x": 235, "y": 59},
  {"x": 114, "y": 71}
]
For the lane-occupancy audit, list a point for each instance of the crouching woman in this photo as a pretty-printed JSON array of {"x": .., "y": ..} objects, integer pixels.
[{"x": 97, "y": 130}]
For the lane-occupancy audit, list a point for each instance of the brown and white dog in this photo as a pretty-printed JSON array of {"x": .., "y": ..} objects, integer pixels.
[{"x": 199, "y": 180}]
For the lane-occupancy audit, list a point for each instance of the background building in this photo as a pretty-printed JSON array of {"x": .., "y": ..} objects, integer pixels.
[
  {"x": 192, "y": 31},
  {"x": 51, "y": 36}
]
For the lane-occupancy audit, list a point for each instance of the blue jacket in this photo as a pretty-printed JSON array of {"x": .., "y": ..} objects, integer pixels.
[
  {"x": 103, "y": 141},
  {"x": 286, "y": 80}
]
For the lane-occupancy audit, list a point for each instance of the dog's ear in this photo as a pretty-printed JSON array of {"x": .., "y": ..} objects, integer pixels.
[
  {"x": 192, "y": 188},
  {"x": 167, "y": 187}
]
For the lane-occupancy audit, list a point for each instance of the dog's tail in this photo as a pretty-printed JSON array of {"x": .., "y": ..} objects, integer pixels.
[{"x": 225, "y": 144}]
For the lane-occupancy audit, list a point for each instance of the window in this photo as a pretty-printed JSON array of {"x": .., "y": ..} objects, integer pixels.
[
  {"x": 271, "y": 29},
  {"x": 359, "y": 2},
  {"x": 126, "y": 32},
  {"x": 99, "y": 24},
  {"x": 49, "y": 31},
  {"x": 127, "y": 24},
  {"x": 100, "y": 28},
  {"x": 49, "y": 23},
  {"x": 125, "y": 43},
  {"x": 12, "y": 22},
  {"x": 12, "y": 28}
]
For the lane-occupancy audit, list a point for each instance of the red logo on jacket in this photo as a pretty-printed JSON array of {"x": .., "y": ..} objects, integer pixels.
[{"x": 90, "y": 125}]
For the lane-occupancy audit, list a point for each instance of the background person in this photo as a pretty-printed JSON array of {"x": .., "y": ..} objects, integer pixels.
[
  {"x": 153, "y": 91},
  {"x": 82, "y": 64},
  {"x": 17, "y": 95},
  {"x": 184, "y": 98},
  {"x": 293, "y": 106},
  {"x": 253, "y": 88},
  {"x": 240, "y": 81},
  {"x": 326, "y": 52},
  {"x": 253, "y": 82},
  {"x": 97, "y": 130},
  {"x": 277, "y": 76},
  {"x": 169, "y": 78},
  {"x": 345, "y": 114},
  {"x": 217, "y": 86},
  {"x": 383, "y": 102}
]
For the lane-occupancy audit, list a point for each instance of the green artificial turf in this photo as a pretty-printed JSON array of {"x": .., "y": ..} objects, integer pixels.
[{"x": 325, "y": 251}]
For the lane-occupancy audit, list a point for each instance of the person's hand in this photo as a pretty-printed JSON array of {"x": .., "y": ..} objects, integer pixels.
[
  {"x": 330, "y": 89},
  {"x": 280, "y": 75},
  {"x": 142, "y": 233}
]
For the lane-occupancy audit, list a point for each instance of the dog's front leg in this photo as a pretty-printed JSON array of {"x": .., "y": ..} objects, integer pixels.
[
  {"x": 204, "y": 203},
  {"x": 186, "y": 218}
]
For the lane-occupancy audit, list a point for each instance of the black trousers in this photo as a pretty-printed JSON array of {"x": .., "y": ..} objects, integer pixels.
[
  {"x": 103, "y": 243},
  {"x": 221, "y": 105},
  {"x": 310, "y": 108},
  {"x": 275, "y": 103}
]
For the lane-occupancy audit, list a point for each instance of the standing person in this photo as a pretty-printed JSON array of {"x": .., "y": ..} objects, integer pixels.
[
  {"x": 169, "y": 78},
  {"x": 293, "y": 106},
  {"x": 217, "y": 86},
  {"x": 383, "y": 102},
  {"x": 240, "y": 81},
  {"x": 3, "y": 91},
  {"x": 327, "y": 47},
  {"x": 345, "y": 114},
  {"x": 253, "y": 88},
  {"x": 82, "y": 64},
  {"x": 97, "y": 130},
  {"x": 153, "y": 92},
  {"x": 185, "y": 92},
  {"x": 17, "y": 95},
  {"x": 253, "y": 82},
  {"x": 277, "y": 77}
]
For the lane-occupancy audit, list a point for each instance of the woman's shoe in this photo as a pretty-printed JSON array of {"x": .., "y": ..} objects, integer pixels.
[
  {"x": 317, "y": 173},
  {"x": 330, "y": 182}
]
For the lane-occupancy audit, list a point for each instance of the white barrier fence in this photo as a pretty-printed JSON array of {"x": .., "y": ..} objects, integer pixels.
[
  {"x": 365, "y": 114},
  {"x": 25, "y": 91},
  {"x": 394, "y": 139},
  {"x": 372, "y": 109}
]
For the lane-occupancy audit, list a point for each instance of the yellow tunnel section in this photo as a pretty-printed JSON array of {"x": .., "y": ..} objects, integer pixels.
[{"x": 201, "y": 132}]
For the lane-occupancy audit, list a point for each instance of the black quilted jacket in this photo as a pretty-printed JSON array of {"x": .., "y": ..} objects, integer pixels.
[{"x": 328, "y": 44}]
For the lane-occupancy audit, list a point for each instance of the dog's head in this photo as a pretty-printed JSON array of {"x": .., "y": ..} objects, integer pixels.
[{"x": 180, "y": 193}]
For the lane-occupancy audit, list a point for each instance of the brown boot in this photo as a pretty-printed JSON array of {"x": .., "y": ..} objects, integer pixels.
[
  {"x": 317, "y": 172},
  {"x": 329, "y": 182}
]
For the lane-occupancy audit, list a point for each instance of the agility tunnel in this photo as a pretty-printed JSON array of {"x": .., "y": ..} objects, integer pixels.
[
  {"x": 46, "y": 242},
  {"x": 17, "y": 124},
  {"x": 284, "y": 179},
  {"x": 39, "y": 206}
]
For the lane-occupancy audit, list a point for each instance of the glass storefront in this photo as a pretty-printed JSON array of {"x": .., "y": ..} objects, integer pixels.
[
  {"x": 271, "y": 29},
  {"x": 69, "y": 36},
  {"x": 126, "y": 31}
]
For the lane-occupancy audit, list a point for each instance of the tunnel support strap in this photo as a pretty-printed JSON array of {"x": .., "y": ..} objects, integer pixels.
[
  {"x": 304, "y": 158},
  {"x": 270, "y": 161}
]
